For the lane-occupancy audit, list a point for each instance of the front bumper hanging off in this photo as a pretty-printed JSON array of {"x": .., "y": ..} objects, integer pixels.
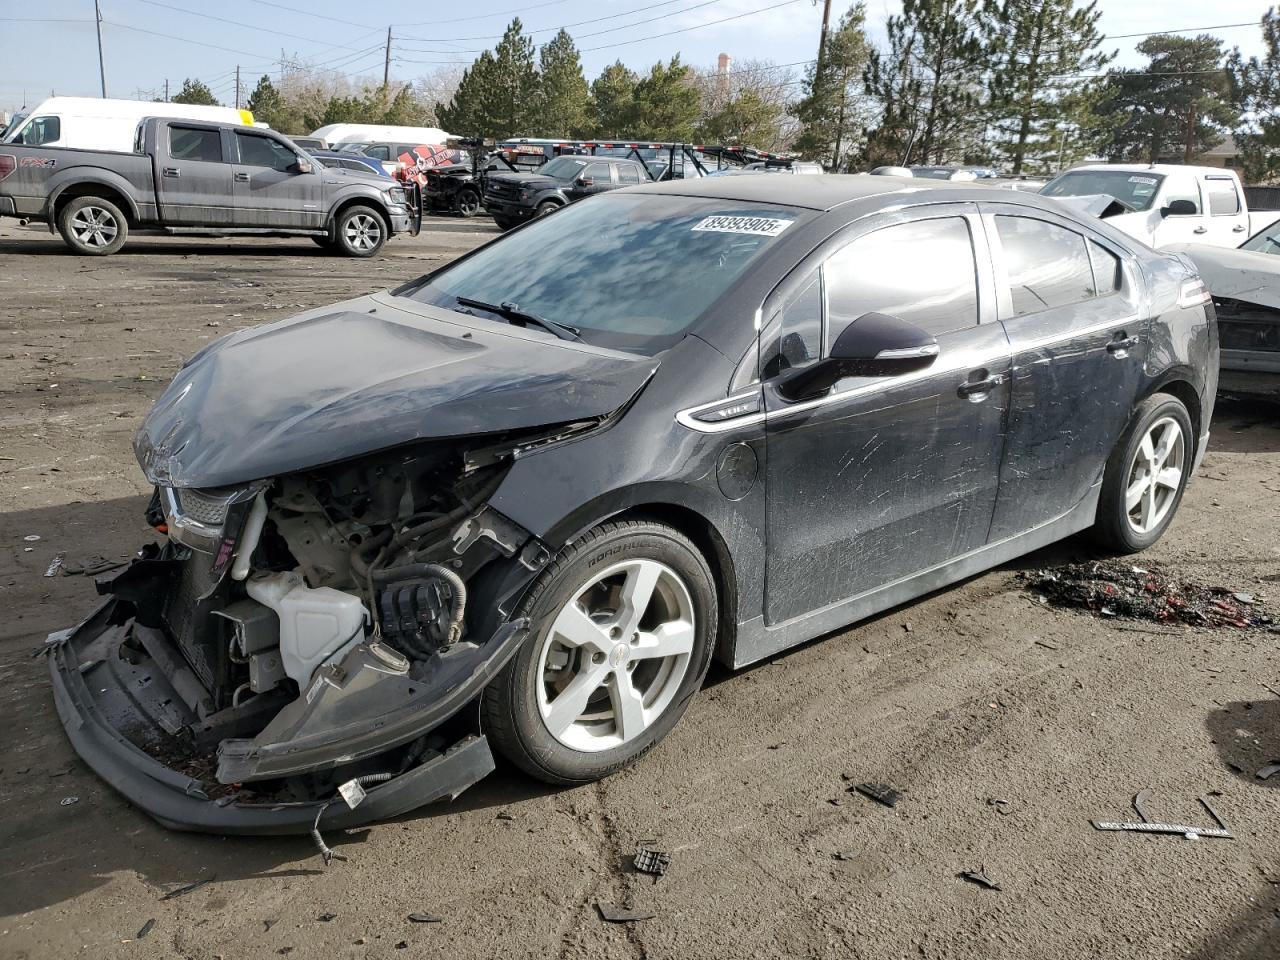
[{"x": 102, "y": 697}]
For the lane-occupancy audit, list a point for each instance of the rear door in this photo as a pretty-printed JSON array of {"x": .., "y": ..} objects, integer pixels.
[
  {"x": 1228, "y": 221},
  {"x": 1070, "y": 303},
  {"x": 269, "y": 189},
  {"x": 193, "y": 175},
  {"x": 884, "y": 477}
]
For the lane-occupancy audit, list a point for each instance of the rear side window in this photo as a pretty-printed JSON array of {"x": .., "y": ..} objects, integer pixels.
[
  {"x": 258, "y": 151},
  {"x": 195, "y": 143},
  {"x": 1224, "y": 201},
  {"x": 379, "y": 152},
  {"x": 627, "y": 173},
  {"x": 922, "y": 272},
  {"x": 1047, "y": 265},
  {"x": 1106, "y": 269}
]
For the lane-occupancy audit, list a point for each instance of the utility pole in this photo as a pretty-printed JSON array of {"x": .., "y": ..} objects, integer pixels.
[
  {"x": 387, "y": 63},
  {"x": 166, "y": 89},
  {"x": 237, "y": 86},
  {"x": 102, "y": 70},
  {"x": 822, "y": 38}
]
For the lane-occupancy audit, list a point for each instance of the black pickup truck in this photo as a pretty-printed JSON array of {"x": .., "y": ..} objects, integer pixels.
[{"x": 201, "y": 178}]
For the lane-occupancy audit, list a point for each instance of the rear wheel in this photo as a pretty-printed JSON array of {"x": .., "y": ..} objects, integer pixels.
[
  {"x": 1146, "y": 475},
  {"x": 361, "y": 231},
  {"x": 469, "y": 203},
  {"x": 622, "y": 629},
  {"x": 93, "y": 226}
]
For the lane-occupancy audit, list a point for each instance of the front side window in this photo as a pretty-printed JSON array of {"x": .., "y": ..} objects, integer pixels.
[
  {"x": 1224, "y": 201},
  {"x": 799, "y": 339},
  {"x": 617, "y": 266},
  {"x": 1047, "y": 265},
  {"x": 195, "y": 143},
  {"x": 1183, "y": 188},
  {"x": 42, "y": 130},
  {"x": 922, "y": 271},
  {"x": 599, "y": 172},
  {"x": 258, "y": 151}
]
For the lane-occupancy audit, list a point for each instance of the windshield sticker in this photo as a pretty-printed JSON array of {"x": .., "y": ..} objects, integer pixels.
[
  {"x": 755, "y": 226},
  {"x": 1151, "y": 180}
]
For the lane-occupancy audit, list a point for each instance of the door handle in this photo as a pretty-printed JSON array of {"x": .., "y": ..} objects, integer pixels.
[
  {"x": 1200, "y": 230},
  {"x": 1119, "y": 347},
  {"x": 171, "y": 172},
  {"x": 1238, "y": 228},
  {"x": 977, "y": 390},
  {"x": 242, "y": 177}
]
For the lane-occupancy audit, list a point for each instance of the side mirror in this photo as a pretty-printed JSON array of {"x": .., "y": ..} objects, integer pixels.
[
  {"x": 303, "y": 166},
  {"x": 874, "y": 345},
  {"x": 1179, "y": 208},
  {"x": 585, "y": 182}
]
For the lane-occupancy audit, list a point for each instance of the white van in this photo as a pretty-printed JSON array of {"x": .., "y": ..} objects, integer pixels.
[
  {"x": 1165, "y": 203},
  {"x": 336, "y": 134},
  {"x": 92, "y": 123}
]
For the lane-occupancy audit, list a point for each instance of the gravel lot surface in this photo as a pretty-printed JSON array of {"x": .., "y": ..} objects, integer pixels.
[{"x": 974, "y": 693}]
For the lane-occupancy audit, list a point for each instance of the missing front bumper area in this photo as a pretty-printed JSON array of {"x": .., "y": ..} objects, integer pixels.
[{"x": 128, "y": 724}]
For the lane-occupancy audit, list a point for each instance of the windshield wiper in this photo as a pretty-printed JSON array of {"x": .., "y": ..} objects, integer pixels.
[{"x": 511, "y": 311}]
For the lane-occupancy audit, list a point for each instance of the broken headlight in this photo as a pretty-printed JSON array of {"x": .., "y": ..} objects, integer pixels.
[{"x": 198, "y": 518}]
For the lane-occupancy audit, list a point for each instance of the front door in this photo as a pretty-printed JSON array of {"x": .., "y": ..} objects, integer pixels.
[
  {"x": 269, "y": 189},
  {"x": 1070, "y": 305},
  {"x": 193, "y": 177},
  {"x": 885, "y": 477},
  {"x": 595, "y": 177}
]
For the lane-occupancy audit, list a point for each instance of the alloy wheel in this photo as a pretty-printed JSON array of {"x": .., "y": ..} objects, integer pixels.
[
  {"x": 615, "y": 655},
  {"x": 94, "y": 226},
  {"x": 1155, "y": 475},
  {"x": 363, "y": 232}
]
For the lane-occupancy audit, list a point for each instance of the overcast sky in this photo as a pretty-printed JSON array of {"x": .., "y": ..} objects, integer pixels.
[{"x": 60, "y": 55}]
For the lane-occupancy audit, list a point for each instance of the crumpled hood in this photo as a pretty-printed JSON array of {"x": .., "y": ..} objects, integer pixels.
[
  {"x": 1238, "y": 274},
  {"x": 367, "y": 375}
]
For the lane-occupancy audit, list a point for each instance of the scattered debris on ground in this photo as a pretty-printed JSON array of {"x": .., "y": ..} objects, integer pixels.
[
  {"x": 187, "y": 888},
  {"x": 1269, "y": 771},
  {"x": 1114, "y": 588},
  {"x": 1003, "y": 807},
  {"x": 845, "y": 855},
  {"x": 612, "y": 913},
  {"x": 327, "y": 916},
  {"x": 146, "y": 928},
  {"x": 979, "y": 877},
  {"x": 1147, "y": 825},
  {"x": 68, "y": 801},
  {"x": 55, "y": 565},
  {"x": 879, "y": 792},
  {"x": 425, "y": 918},
  {"x": 652, "y": 861},
  {"x": 503, "y": 815}
]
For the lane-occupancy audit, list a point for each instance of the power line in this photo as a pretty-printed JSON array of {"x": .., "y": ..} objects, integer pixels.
[
  {"x": 241, "y": 23},
  {"x": 699, "y": 26},
  {"x": 479, "y": 16},
  {"x": 1157, "y": 33},
  {"x": 566, "y": 26},
  {"x": 318, "y": 16}
]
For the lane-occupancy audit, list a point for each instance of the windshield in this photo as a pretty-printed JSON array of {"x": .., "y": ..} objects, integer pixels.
[
  {"x": 563, "y": 168},
  {"x": 13, "y": 126},
  {"x": 628, "y": 271},
  {"x": 1266, "y": 240},
  {"x": 1136, "y": 190}
]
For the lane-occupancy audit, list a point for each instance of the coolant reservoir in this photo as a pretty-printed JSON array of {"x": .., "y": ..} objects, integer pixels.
[{"x": 314, "y": 624}]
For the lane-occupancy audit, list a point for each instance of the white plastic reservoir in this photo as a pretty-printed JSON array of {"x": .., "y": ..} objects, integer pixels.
[{"x": 314, "y": 623}]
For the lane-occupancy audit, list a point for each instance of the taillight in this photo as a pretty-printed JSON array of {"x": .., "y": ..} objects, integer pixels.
[
  {"x": 1193, "y": 293},
  {"x": 8, "y": 163}
]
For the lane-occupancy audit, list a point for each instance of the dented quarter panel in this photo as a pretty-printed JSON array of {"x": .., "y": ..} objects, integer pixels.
[{"x": 362, "y": 376}]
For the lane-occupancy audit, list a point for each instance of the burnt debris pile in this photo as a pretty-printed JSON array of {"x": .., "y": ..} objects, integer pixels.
[{"x": 1114, "y": 588}]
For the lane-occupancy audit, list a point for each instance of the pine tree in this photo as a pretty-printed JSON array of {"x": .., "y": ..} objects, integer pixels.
[
  {"x": 833, "y": 112},
  {"x": 196, "y": 92},
  {"x": 613, "y": 100},
  {"x": 467, "y": 113},
  {"x": 666, "y": 103},
  {"x": 563, "y": 108},
  {"x": 1032, "y": 46},
  {"x": 512, "y": 100},
  {"x": 1178, "y": 105},
  {"x": 1255, "y": 88},
  {"x": 269, "y": 107},
  {"x": 929, "y": 84}
]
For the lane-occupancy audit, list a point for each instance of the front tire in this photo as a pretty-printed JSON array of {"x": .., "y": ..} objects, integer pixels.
[
  {"x": 546, "y": 208},
  {"x": 93, "y": 226},
  {"x": 623, "y": 624},
  {"x": 360, "y": 231},
  {"x": 1146, "y": 475}
]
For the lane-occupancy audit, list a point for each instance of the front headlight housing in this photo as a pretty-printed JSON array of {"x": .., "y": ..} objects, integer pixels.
[{"x": 397, "y": 196}]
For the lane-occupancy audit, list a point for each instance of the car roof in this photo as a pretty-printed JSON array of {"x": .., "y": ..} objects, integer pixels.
[
  {"x": 1162, "y": 168},
  {"x": 822, "y": 191}
]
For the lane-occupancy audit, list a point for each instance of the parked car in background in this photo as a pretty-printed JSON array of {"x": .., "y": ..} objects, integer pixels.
[
  {"x": 93, "y": 123},
  {"x": 943, "y": 173},
  {"x": 309, "y": 143},
  {"x": 189, "y": 176},
  {"x": 522, "y": 501},
  {"x": 349, "y": 161},
  {"x": 513, "y": 198},
  {"x": 342, "y": 136},
  {"x": 1163, "y": 204}
]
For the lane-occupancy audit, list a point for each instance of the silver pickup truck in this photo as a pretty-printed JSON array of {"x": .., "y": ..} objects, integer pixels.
[{"x": 201, "y": 178}]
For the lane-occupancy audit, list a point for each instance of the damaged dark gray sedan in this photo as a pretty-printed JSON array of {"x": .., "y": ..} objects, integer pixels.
[{"x": 521, "y": 502}]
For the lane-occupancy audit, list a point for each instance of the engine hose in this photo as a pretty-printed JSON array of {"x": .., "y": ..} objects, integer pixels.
[
  {"x": 327, "y": 854},
  {"x": 413, "y": 571}
]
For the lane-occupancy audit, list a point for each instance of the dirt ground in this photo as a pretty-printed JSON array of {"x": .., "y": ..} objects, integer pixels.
[{"x": 974, "y": 693}]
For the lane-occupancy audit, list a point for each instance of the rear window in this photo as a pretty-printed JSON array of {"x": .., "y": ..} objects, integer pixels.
[
  {"x": 1048, "y": 266},
  {"x": 1135, "y": 190},
  {"x": 630, "y": 271},
  {"x": 195, "y": 143}
]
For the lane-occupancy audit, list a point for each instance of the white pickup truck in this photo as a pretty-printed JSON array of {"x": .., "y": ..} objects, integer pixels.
[{"x": 1163, "y": 204}]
